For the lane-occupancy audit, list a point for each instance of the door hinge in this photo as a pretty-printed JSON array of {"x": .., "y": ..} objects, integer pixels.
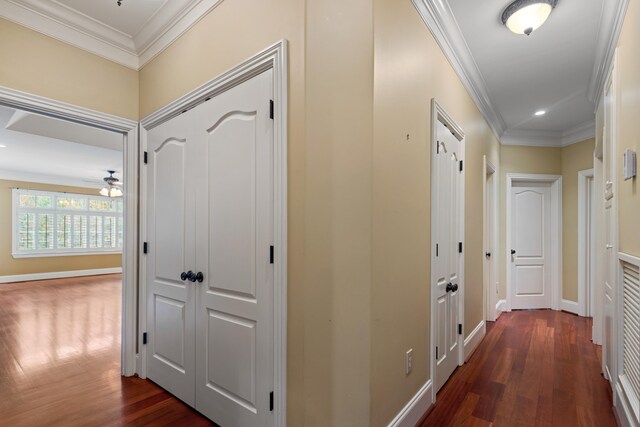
[
  {"x": 271, "y": 109},
  {"x": 144, "y": 248},
  {"x": 436, "y": 353},
  {"x": 437, "y": 147},
  {"x": 144, "y": 338},
  {"x": 146, "y": 157},
  {"x": 270, "y": 254},
  {"x": 461, "y": 166},
  {"x": 271, "y": 401},
  {"x": 459, "y": 328},
  {"x": 437, "y": 249},
  {"x": 459, "y": 247}
]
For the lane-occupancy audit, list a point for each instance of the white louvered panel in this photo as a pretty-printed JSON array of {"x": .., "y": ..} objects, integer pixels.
[{"x": 631, "y": 325}]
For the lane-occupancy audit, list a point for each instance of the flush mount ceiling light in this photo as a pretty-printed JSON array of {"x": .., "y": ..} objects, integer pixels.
[
  {"x": 525, "y": 16},
  {"x": 540, "y": 113}
]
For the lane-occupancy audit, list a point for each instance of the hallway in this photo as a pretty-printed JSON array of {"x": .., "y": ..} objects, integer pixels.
[
  {"x": 533, "y": 368},
  {"x": 60, "y": 359}
]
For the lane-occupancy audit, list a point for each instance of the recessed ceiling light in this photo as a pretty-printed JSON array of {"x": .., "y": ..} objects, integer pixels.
[
  {"x": 3, "y": 146},
  {"x": 540, "y": 113}
]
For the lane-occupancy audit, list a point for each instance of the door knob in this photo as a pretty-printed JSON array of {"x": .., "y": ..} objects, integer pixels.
[
  {"x": 199, "y": 277},
  {"x": 487, "y": 254},
  {"x": 454, "y": 287},
  {"x": 186, "y": 276},
  {"x": 513, "y": 251},
  {"x": 449, "y": 287}
]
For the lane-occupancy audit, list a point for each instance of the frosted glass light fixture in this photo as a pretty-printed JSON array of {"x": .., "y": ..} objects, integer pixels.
[
  {"x": 526, "y": 16},
  {"x": 112, "y": 188}
]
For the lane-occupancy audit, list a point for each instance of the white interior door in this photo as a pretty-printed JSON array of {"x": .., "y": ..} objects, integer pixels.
[
  {"x": 234, "y": 222},
  {"x": 171, "y": 251},
  {"x": 531, "y": 280},
  {"x": 447, "y": 262},
  {"x": 491, "y": 289},
  {"x": 210, "y": 257}
]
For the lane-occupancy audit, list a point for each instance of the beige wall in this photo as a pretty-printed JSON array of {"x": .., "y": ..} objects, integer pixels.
[
  {"x": 34, "y": 63},
  {"x": 628, "y": 73},
  {"x": 410, "y": 69},
  {"x": 574, "y": 158},
  {"x": 10, "y": 266}
]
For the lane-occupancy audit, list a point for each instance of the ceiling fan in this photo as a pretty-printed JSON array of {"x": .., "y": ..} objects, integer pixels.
[{"x": 113, "y": 187}]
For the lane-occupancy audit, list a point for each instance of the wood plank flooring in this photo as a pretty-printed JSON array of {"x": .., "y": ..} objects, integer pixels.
[
  {"x": 60, "y": 360},
  {"x": 534, "y": 368}
]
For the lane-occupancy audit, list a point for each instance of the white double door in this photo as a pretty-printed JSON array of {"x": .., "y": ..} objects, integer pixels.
[
  {"x": 448, "y": 255},
  {"x": 210, "y": 212},
  {"x": 531, "y": 245}
]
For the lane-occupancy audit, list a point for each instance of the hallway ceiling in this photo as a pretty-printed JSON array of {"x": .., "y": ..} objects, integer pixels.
[
  {"x": 557, "y": 69},
  {"x": 131, "y": 34},
  {"x": 68, "y": 153}
]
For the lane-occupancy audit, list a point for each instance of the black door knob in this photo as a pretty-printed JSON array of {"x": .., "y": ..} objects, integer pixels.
[
  {"x": 455, "y": 287},
  {"x": 199, "y": 277},
  {"x": 487, "y": 254},
  {"x": 185, "y": 276},
  {"x": 513, "y": 251},
  {"x": 449, "y": 287}
]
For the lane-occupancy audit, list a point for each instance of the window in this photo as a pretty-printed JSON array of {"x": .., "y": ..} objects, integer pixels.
[{"x": 52, "y": 224}]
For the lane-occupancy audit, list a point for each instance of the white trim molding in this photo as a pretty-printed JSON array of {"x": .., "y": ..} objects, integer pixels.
[
  {"x": 539, "y": 138},
  {"x": 58, "y": 275},
  {"x": 474, "y": 339},
  {"x": 611, "y": 20},
  {"x": 274, "y": 57},
  {"x": 570, "y": 307},
  {"x": 63, "y": 23},
  {"x": 416, "y": 408},
  {"x": 556, "y": 230},
  {"x": 439, "y": 18},
  {"x": 129, "y": 129},
  {"x": 586, "y": 260},
  {"x": 501, "y": 306}
]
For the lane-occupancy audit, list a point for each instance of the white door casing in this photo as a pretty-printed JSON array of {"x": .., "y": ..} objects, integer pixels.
[
  {"x": 447, "y": 192},
  {"x": 531, "y": 246},
  {"x": 234, "y": 222},
  {"x": 490, "y": 238}
]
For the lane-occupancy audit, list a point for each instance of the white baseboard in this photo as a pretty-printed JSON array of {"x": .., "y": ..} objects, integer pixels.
[
  {"x": 623, "y": 409},
  {"x": 474, "y": 339},
  {"x": 58, "y": 274},
  {"x": 570, "y": 306},
  {"x": 415, "y": 409},
  {"x": 500, "y": 307}
]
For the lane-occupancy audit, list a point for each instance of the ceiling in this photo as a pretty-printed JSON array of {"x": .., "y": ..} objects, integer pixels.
[
  {"x": 131, "y": 34},
  {"x": 52, "y": 151}
]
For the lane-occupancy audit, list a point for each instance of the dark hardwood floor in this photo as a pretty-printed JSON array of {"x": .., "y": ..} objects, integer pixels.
[
  {"x": 534, "y": 368},
  {"x": 60, "y": 360}
]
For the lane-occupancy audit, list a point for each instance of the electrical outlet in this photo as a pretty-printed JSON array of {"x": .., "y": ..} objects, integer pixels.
[{"x": 408, "y": 361}]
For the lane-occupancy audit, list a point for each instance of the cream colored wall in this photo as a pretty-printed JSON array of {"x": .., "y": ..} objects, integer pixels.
[
  {"x": 574, "y": 158},
  {"x": 628, "y": 73},
  {"x": 10, "y": 266},
  {"x": 516, "y": 159},
  {"x": 410, "y": 69},
  {"x": 37, "y": 64}
]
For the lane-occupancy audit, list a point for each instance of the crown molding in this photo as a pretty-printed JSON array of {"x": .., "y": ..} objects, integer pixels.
[
  {"x": 611, "y": 21},
  {"x": 70, "y": 26},
  {"x": 439, "y": 18},
  {"x": 532, "y": 138}
]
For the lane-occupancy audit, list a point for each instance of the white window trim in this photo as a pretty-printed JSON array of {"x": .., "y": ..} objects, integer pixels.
[{"x": 55, "y": 252}]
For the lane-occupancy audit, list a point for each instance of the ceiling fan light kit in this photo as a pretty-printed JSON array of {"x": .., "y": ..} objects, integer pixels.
[
  {"x": 526, "y": 16},
  {"x": 111, "y": 189}
]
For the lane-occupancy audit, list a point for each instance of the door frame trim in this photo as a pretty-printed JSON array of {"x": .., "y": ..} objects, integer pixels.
[
  {"x": 585, "y": 258},
  {"x": 490, "y": 313},
  {"x": 274, "y": 57},
  {"x": 129, "y": 130},
  {"x": 556, "y": 230},
  {"x": 439, "y": 114}
]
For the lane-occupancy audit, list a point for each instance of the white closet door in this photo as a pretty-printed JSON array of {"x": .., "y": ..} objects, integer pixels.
[
  {"x": 171, "y": 251},
  {"x": 447, "y": 258},
  {"x": 234, "y": 222}
]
